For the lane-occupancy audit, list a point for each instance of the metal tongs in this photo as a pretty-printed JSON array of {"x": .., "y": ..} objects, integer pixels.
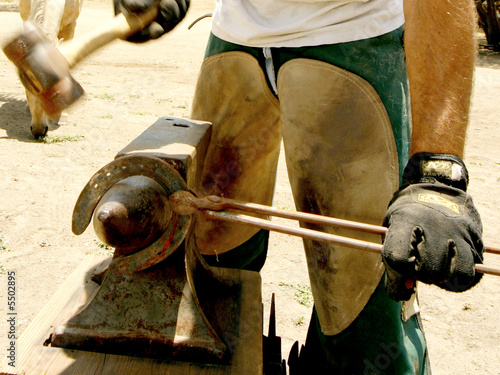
[{"x": 185, "y": 203}]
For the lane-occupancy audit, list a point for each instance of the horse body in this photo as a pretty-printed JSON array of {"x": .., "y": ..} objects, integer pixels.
[{"x": 57, "y": 19}]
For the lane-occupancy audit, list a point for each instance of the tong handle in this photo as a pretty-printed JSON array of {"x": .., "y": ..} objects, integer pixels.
[{"x": 185, "y": 203}]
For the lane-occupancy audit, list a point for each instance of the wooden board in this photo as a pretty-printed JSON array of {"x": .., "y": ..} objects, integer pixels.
[{"x": 32, "y": 357}]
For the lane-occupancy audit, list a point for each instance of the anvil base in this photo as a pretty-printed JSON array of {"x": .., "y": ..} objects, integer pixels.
[{"x": 35, "y": 355}]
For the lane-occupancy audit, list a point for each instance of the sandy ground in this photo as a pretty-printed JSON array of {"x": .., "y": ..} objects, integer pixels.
[{"x": 128, "y": 87}]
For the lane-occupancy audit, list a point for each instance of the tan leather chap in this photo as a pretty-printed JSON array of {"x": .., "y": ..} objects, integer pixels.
[
  {"x": 342, "y": 162},
  {"x": 242, "y": 157}
]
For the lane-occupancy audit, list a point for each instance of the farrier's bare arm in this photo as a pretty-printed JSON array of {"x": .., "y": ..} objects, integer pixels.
[
  {"x": 426, "y": 240},
  {"x": 440, "y": 50}
]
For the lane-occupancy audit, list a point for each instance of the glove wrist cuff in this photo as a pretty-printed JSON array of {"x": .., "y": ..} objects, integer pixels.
[{"x": 432, "y": 168}]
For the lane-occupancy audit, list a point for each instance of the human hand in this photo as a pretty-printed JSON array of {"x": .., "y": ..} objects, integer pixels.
[
  {"x": 434, "y": 230},
  {"x": 170, "y": 13}
]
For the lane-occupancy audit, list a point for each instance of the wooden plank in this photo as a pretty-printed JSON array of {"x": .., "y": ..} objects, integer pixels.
[
  {"x": 35, "y": 358},
  {"x": 248, "y": 341}
]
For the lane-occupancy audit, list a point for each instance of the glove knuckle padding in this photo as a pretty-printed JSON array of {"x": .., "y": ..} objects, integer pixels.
[
  {"x": 434, "y": 235},
  {"x": 171, "y": 13}
]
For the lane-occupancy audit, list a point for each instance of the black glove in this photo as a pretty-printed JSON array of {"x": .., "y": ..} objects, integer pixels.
[
  {"x": 434, "y": 230},
  {"x": 170, "y": 13}
]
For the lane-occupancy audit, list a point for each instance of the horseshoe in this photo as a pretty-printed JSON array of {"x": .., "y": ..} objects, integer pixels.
[{"x": 117, "y": 170}]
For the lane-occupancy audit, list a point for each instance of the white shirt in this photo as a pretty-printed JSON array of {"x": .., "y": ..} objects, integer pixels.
[{"x": 294, "y": 23}]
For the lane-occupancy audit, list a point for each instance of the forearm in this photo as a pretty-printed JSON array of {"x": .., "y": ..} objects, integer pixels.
[{"x": 440, "y": 52}]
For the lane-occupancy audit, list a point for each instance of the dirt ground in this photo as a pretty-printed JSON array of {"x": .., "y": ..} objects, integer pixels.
[{"x": 128, "y": 87}]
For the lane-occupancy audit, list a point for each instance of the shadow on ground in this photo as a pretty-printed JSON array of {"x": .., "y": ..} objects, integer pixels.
[{"x": 13, "y": 118}]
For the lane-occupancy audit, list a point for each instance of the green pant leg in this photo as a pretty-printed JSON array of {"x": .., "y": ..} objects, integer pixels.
[
  {"x": 250, "y": 255},
  {"x": 377, "y": 342}
]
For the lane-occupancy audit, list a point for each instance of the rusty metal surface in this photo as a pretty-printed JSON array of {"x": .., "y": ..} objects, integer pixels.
[
  {"x": 145, "y": 305},
  {"x": 217, "y": 293},
  {"x": 180, "y": 142},
  {"x": 159, "y": 301},
  {"x": 132, "y": 214},
  {"x": 152, "y": 313},
  {"x": 112, "y": 173}
]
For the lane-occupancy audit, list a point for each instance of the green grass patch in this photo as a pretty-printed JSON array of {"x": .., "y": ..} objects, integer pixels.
[
  {"x": 105, "y": 96},
  {"x": 163, "y": 100},
  {"x": 298, "y": 321},
  {"x": 103, "y": 249},
  {"x": 102, "y": 245},
  {"x": 3, "y": 243},
  {"x": 62, "y": 138},
  {"x": 183, "y": 106},
  {"x": 302, "y": 293}
]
